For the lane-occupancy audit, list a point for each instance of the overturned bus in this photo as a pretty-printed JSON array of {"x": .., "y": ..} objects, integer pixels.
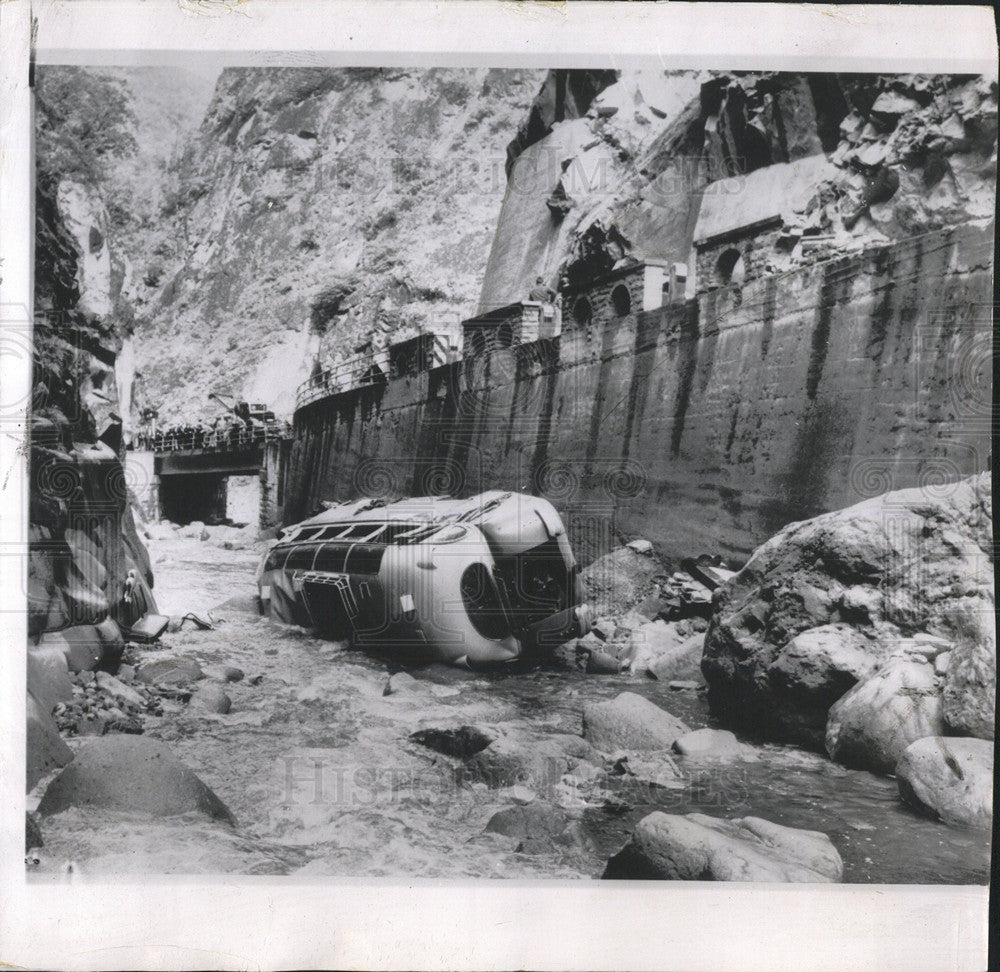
[{"x": 482, "y": 581}]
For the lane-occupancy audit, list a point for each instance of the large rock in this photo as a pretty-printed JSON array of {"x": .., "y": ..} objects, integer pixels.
[
  {"x": 696, "y": 847},
  {"x": 461, "y": 741},
  {"x": 81, "y": 644},
  {"x": 537, "y": 826},
  {"x": 681, "y": 662},
  {"x": 970, "y": 688},
  {"x": 651, "y": 641},
  {"x": 48, "y": 677},
  {"x": 712, "y": 744},
  {"x": 949, "y": 778},
  {"x": 898, "y": 565},
  {"x": 814, "y": 670},
  {"x": 871, "y": 726},
  {"x": 119, "y": 690},
  {"x": 45, "y": 748},
  {"x": 170, "y": 671},
  {"x": 540, "y": 761},
  {"x": 630, "y": 722},
  {"x": 619, "y": 579},
  {"x": 132, "y": 773},
  {"x": 211, "y": 698}
]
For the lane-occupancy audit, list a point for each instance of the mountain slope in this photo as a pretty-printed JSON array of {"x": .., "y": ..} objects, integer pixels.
[{"x": 314, "y": 209}]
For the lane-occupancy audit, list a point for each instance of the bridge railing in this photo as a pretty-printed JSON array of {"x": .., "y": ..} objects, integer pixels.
[
  {"x": 233, "y": 438},
  {"x": 422, "y": 352},
  {"x": 362, "y": 369}
]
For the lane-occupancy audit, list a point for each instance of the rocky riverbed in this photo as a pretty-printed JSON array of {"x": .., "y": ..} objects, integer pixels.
[{"x": 334, "y": 762}]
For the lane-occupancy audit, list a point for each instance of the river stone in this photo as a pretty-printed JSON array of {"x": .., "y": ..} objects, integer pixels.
[
  {"x": 696, "y": 847},
  {"x": 536, "y": 760},
  {"x": 81, "y": 644},
  {"x": 928, "y": 573},
  {"x": 711, "y": 744},
  {"x": 601, "y": 663},
  {"x": 211, "y": 698},
  {"x": 536, "y": 825},
  {"x": 949, "y": 778},
  {"x": 618, "y": 580},
  {"x": 170, "y": 671},
  {"x": 402, "y": 682},
  {"x": 132, "y": 773},
  {"x": 814, "y": 670},
  {"x": 117, "y": 689},
  {"x": 970, "y": 688},
  {"x": 232, "y": 674},
  {"x": 681, "y": 662},
  {"x": 649, "y": 768},
  {"x": 45, "y": 749},
  {"x": 48, "y": 677},
  {"x": 871, "y": 726},
  {"x": 630, "y": 722},
  {"x": 653, "y": 640},
  {"x": 460, "y": 741}
]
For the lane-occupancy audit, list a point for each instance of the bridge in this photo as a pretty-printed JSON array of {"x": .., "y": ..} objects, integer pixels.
[{"x": 184, "y": 473}]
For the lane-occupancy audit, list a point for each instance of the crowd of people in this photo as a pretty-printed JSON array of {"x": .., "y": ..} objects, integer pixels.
[{"x": 221, "y": 434}]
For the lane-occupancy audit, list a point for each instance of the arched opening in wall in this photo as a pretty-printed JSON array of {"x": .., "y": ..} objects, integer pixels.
[
  {"x": 582, "y": 311},
  {"x": 730, "y": 269},
  {"x": 621, "y": 300},
  {"x": 505, "y": 335}
]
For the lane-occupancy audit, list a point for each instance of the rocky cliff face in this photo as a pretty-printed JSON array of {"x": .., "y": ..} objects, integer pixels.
[
  {"x": 83, "y": 540},
  {"x": 633, "y": 172},
  {"x": 315, "y": 210}
]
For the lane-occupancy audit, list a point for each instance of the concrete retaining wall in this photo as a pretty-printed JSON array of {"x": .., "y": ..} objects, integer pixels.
[{"x": 703, "y": 426}]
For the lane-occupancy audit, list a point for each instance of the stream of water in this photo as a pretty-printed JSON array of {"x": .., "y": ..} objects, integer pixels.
[{"x": 316, "y": 764}]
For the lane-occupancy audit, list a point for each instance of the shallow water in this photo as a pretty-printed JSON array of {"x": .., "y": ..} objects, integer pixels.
[{"x": 317, "y": 766}]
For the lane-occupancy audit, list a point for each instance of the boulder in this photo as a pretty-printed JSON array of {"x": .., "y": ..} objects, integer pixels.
[
  {"x": 118, "y": 690},
  {"x": 601, "y": 663},
  {"x": 813, "y": 671},
  {"x": 949, "y": 778},
  {"x": 48, "y": 677},
  {"x": 618, "y": 580},
  {"x": 45, "y": 749},
  {"x": 871, "y": 726},
  {"x": 536, "y": 825},
  {"x": 652, "y": 641},
  {"x": 232, "y": 674},
  {"x": 81, "y": 644},
  {"x": 170, "y": 671},
  {"x": 211, "y": 698},
  {"x": 970, "y": 688},
  {"x": 696, "y": 847},
  {"x": 895, "y": 566},
  {"x": 681, "y": 662},
  {"x": 131, "y": 773},
  {"x": 711, "y": 744},
  {"x": 539, "y": 761},
  {"x": 460, "y": 741},
  {"x": 649, "y": 768},
  {"x": 630, "y": 722},
  {"x": 403, "y": 682}
]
